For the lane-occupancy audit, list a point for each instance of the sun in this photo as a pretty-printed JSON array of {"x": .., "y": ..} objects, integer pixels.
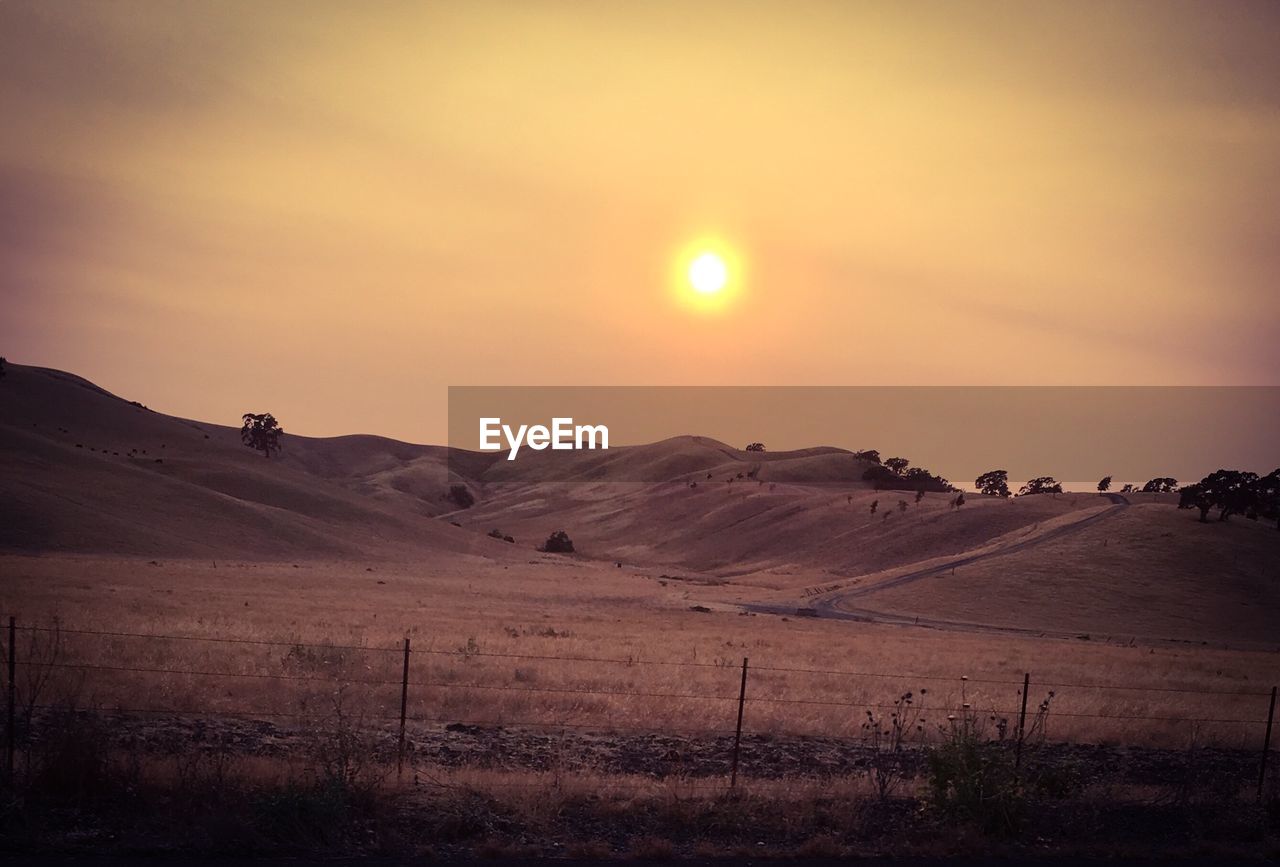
[{"x": 708, "y": 273}]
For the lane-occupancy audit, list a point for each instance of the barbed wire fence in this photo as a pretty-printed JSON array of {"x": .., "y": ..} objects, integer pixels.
[{"x": 735, "y": 702}]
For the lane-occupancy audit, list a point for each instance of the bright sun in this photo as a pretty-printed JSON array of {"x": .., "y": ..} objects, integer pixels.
[{"x": 708, "y": 273}]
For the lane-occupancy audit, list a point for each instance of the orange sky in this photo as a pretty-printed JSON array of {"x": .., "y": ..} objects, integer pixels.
[{"x": 333, "y": 211}]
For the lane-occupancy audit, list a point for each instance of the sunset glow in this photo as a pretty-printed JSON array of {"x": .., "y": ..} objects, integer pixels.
[{"x": 201, "y": 193}]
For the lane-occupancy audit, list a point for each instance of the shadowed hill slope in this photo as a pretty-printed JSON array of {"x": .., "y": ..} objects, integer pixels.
[{"x": 86, "y": 471}]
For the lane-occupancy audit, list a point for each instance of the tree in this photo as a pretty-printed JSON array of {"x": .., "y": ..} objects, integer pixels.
[
  {"x": 915, "y": 479},
  {"x": 557, "y": 543},
  {"x": 1232, "y": 492},
  {"x": 919, "y": 496},
  {"x": 261, "y": 432},
  {"x": 896, "y": 465},
  {"x": 993, "y": 483},
  {"x": 959, "y": 500},
  {"x": 755, "y": 447},
  {"x": 3, "y": 362},
  {"x": 1041, "y": 485},
  {"x": 868, "y": 455},
  {"x": 880, "y": 477},
  {"x": 1160, "y": 486},
  {"x": 920, "y": 479},
  {"x": 1104, "y": 485},
  {"x": 1127, "y": 489},
  {"x": 1268, "y": 489}
]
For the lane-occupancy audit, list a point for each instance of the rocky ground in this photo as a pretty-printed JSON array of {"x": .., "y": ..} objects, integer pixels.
[{"x": 663, "y": 756}]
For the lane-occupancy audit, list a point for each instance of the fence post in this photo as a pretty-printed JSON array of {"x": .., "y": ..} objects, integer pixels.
[
  {"x": 1022, "y": 719},
  {"x": 737, "y": 736},
  {"x": 1266, "y": 743},
  {"x": 10, "y": 735},
  {"x": 404, "y": 707}
]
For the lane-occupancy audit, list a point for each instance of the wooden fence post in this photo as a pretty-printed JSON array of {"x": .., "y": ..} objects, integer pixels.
[
  {"x": 1266, "y": 743},
  {"x": 10, "y": 734},
  {"x": 737, "y": 737},
  {"x": 1022, "y": 719},
  {"x": 404, "y": 707}
]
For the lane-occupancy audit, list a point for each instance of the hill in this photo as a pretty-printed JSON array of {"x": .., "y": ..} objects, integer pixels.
[
  {"x": 1148, "y": 570},
  {"x": 88, "y": 472}
]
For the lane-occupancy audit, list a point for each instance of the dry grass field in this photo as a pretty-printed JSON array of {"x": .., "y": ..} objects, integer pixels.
[{"x": 560, "y": 642}]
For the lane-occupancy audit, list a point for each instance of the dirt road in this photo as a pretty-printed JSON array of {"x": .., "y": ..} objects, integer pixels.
[{"x": 836, "y": 604}]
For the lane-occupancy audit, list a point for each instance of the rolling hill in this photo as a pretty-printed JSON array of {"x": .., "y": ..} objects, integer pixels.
[{"x": 87, "y": 472}]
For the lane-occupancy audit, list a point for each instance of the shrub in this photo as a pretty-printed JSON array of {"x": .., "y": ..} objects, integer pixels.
[
  {"x": 973, "y": 779},
  {"x": 557, "y": 543},
  {"x": 976, "y": 778}
]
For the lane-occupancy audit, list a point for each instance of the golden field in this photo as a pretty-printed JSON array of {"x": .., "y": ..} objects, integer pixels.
[{"x": 556, "y": 642}]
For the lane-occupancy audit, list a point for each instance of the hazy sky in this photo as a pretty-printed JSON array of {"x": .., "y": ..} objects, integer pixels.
[{"x": 333, "y": 211}]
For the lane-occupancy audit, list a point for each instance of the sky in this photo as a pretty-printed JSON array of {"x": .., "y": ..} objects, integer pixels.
[{"x": 332, "y": 212}]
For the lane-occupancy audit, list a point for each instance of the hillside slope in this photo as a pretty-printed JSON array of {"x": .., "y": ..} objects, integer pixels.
[
  {"x": 86, "y": 471},
  {"x": 1150, "y": 570}
]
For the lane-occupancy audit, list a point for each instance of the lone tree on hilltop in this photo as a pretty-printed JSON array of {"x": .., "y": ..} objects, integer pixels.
[
  {"x": 1160, "y": 486},
  {"x": 896, "y": 465},
  {"x": 261, "y": 432},
  {"x": 993, "y": 483},
  {"x": 1041, "y": 485},
  {"x": 755, "y": 447},
  {"x": 1104, "y": 485},
  {"x": 557, "y": 543}
]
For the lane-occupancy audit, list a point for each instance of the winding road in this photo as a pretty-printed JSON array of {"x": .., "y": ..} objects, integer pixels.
[{"x": 835, "y": 605}]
